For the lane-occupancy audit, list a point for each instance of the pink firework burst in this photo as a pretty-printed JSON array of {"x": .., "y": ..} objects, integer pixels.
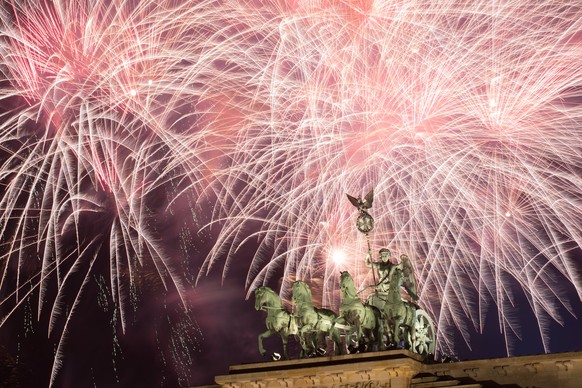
[
  {"x": 257, "y": 117},
  {"x": 464, "y": 118}
]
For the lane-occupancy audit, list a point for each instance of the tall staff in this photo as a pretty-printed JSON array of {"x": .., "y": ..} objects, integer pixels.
[{"x": 364, "y": 222}]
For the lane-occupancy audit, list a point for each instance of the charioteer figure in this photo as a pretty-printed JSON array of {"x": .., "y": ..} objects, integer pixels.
[
  {"x": 401, "y": 273},
  {"x": 383, "y": 266}
]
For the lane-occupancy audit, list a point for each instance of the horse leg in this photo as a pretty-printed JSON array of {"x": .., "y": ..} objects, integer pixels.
[
  {"x": 411, "y": 318},
  {"x": 385, "y": 333},
  {"x": 388, "y": 331},
  {"x": 320, "y": 343},
  {"x": 396, "y": 329},
  {"x": 359, "y": 331},
  {"x": 361, "y": 336},
  {"x": 341, "y": 325},
  {"x": 379, "y": 334},
  {"x": 313, "y": 337},
  {"x": 311, "y": 343},
  {"x": 337, "y": 340},
  {"x": 303, "y": 342},
  {"x": 405, "y": 326},
  {"x": 284, "y": 340},
  {"x": 393, "y": 328},
  {"x": 266, "y": 334}
]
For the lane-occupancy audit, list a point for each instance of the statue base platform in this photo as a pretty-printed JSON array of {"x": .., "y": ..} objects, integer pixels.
[{"x": 402, "y": 368}]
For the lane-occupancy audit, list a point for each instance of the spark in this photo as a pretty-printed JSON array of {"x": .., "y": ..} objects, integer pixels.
[
  {"x": 338, "y": 256},
  {"x": 453, "y": 112},
  {"x": 259, "y": 116}
]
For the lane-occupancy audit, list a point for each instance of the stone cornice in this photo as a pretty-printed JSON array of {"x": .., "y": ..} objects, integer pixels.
[{"x": 401, "y": 368}]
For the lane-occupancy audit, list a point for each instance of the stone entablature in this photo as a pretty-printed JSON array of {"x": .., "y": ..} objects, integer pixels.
[
  {"x": 558, "y": 370},
  {"x": 402, "y": 368}
]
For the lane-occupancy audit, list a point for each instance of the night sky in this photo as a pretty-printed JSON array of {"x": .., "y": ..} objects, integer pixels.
[{"x": 160, "y": 159}]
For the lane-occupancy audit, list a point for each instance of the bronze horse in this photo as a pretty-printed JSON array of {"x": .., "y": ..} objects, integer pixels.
[
  {"x": 361, "y": 319},
  {"x": 398, "y": 314},
  {"x": 315, "y": 324},
  {"x": 279, "y": 321}
]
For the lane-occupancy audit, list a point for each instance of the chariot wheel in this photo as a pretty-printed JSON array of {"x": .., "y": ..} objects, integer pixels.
[{"x": 423, "y": 337}]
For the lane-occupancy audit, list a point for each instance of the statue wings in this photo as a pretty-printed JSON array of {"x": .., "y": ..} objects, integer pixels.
[
  {"x": 408, "y": 279},
  {"x": 362, "y": 204}
]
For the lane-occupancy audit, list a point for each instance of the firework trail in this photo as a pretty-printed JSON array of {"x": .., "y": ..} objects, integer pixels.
[
  {"x": 465, "y": 119},
  {"x": 96, "y": 153},
  {"x": 256, "y": 117}
]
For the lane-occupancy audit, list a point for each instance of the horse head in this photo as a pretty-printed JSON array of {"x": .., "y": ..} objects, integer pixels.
[
  {"x": 301, "y": 293},
  {"x": 396, "y": 273},
  {"x": 347, "y": 287},
  {"x": 344, "y": 275},
  {"x": 265, "y": 297}
]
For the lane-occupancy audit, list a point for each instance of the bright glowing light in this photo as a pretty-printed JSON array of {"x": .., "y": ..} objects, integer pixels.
[{"x": 338, "y": 256}]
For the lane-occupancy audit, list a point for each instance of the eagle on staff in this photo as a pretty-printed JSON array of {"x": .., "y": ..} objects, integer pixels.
[{"x": 365, "y": 222}]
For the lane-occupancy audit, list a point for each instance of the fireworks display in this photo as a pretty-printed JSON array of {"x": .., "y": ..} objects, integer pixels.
[{"x": 145, "y": 143}]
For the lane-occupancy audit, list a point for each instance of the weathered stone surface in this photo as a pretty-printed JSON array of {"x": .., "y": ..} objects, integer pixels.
[{"x": 401, "y": 368}]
